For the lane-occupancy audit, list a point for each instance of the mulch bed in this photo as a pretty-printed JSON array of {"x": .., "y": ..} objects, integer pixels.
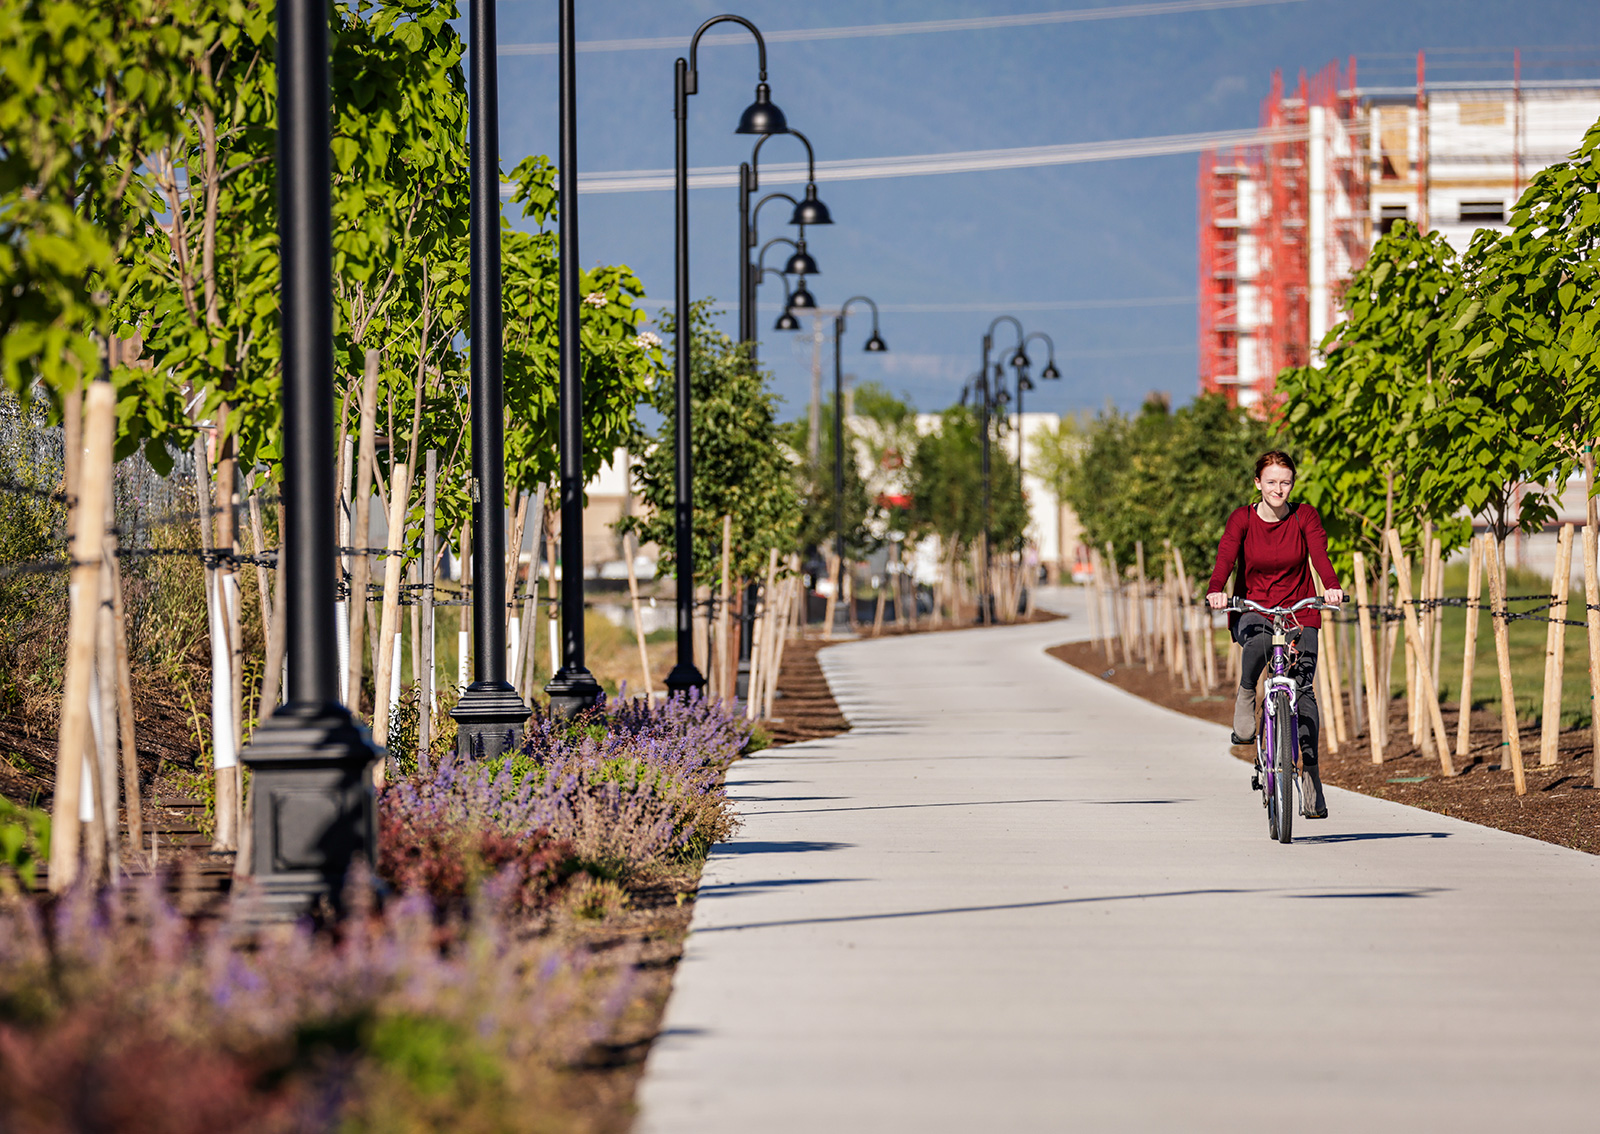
[{"x": 1561, "y": 805}]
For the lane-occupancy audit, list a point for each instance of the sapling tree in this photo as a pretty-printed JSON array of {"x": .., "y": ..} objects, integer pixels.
[
  {"x": 1359, "y": 418},
  {"x": 740, "y": 469}
]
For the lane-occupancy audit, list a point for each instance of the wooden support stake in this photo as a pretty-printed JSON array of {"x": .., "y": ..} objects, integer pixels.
[
  {"x": 425, "y": 629},
  {"x": 1324, "y": 687},
  {"x": 1377, "y": 703},
  {"x": 1427, "y": 690},
  {"x": 88, "y": 493},
  {"x": 832, "y": 604},
  {"x": 1469, "y": 647},
  {"x": 1510, "y": 737},
  {"x": 361, "y": 534},
  {"x": 1144, "y": 632},
  {"x": 389, "y": 620},
  {"x": 1555, "y": 652},
  {"x": 1591, "y": 599}
]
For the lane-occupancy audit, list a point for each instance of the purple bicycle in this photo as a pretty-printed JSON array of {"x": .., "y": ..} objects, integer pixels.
[{"x": 1277, "y": 771}]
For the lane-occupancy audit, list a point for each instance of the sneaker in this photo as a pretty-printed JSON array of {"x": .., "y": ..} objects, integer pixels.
[{"x": 1312, "y": 803}]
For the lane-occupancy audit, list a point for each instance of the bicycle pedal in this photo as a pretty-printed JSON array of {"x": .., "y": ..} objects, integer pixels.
[{"x": 1255, "y": 782}]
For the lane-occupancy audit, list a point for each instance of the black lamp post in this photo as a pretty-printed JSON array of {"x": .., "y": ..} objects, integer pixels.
[
  {"x": 490, "y": 714},
  {"x": 874, "y": 345},
  {"x": 311, "y": 761},
  {"x": 572, "y": 688},
  {"x": 809, "y": 211},
  {"x": 760, "y": 117},
  {"x": 985, "y": 597}
]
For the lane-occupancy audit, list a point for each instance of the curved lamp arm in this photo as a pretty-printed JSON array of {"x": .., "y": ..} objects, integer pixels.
[
  {"x": 1021, "y": 334},
  {"x": 755, "y": 156},
  {"x": 1050, "y": 370},
  {"x": 762, "y": 278},
  {"x": 692, "y": 80},
  {"x": 761, "y": 258},
  {"x": 755, "y": 214},
  {"x": 844, "y": 309}
]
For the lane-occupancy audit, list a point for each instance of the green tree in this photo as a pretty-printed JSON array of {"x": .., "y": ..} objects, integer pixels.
[
  {"x": 1161, "y": 475},
  {"x": 947, "y": 487},
  {"x": 1525, "y": 399},
  {"x": 815, "y": 489},
  {"x": 88, "y": 93},
  {"x": 740, "y": 469},
  {"x": 1362, "y": 417}
]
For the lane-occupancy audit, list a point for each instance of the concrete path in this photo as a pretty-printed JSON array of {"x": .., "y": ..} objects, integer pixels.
[{"x": 1016, "y": 899}]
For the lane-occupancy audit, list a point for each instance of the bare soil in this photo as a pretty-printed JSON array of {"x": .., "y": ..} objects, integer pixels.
[{"x": 1561, "y": 805}]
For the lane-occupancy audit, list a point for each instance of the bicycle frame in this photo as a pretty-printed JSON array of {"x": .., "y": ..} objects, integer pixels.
[{"x": 1279, "y": 679}]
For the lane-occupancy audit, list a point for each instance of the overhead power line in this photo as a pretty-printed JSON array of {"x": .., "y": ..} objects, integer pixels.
[
  {"x": 922, "y": 165},
  {"x": 913, "y": 27}
]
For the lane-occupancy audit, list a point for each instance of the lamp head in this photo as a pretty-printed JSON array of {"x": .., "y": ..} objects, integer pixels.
[
  {"x": 801, "y": 263},
  {"x": 875, "y": 345},
  {"x": 1050, "y": 370},
  {"x": 811, "y": 210},
  {"x": 801, "y": 299},
  {"x": 1002, "y": 396},
  {"x": 1024, "y": 382},
  {"x": 1020, "y": 359},
  {"x": 786, "y": 322},
  {"x": 762, "y": 116}
]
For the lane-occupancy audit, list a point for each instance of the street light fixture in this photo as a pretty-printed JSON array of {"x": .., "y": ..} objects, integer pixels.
[
  {"x": 312, "y": 817},
  {"x": 786, "y": 321},
  {"x": 985, "y": 596},
  {"x": 809, "y": 211},
  {"x": 490, "y": 714},
  {"x": 761, "y": 117},
  {"x": 1049, "y": 373},
  {"x": 874, "y": 345},
  {"x": 572, "y": 688}
]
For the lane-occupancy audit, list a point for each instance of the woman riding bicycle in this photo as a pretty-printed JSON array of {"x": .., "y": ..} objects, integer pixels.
[{"x": 1275, "y": 544}]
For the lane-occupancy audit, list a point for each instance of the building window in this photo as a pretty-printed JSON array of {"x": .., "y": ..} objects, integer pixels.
[
  {"x": 1483, "y": 212},
  {"x": 1389, "y": 216}
]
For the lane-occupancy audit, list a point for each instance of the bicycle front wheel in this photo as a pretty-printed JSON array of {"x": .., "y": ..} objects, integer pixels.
[{"x": 1283, "y": 771}]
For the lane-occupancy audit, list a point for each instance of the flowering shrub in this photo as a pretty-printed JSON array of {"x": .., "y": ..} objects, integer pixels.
[
  {"x": 626, "y": 785},
  {"x": 116, "y": 1014}
]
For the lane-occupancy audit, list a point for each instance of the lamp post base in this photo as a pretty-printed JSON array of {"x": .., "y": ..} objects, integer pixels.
[
  {"x": 312, "y": 810},
  {"x": 684, "y": 678},
  {"x": 489, "y": 719},
  {"x": 572, "y": 690}
]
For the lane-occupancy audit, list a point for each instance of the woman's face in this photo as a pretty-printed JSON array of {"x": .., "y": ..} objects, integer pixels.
[{"x": 1274, "y": 484}]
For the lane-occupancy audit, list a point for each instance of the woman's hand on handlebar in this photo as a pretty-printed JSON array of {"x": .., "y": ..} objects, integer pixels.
[
  {"x": 1335, "y": 597},
  {"x": 1217, "y": 600}
]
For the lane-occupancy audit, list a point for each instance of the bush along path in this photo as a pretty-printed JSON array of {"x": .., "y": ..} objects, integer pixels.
[{"x": 511, "y": 980}]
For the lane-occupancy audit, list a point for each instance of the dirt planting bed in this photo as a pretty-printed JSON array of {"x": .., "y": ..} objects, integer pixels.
[{"x": 1561, "y": 805}]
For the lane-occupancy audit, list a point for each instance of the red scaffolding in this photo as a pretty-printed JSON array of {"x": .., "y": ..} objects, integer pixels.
[{"x": 1254, "y": 255}]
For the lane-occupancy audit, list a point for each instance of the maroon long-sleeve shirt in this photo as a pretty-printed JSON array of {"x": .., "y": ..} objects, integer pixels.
[{"x": 1275, "y": 559}]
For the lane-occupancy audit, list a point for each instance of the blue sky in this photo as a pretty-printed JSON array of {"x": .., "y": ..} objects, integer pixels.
[{"x": 1083, "y": 236}]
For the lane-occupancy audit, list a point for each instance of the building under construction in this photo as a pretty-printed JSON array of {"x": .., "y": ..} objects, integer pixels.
[{"x": 1284, "y": 222}]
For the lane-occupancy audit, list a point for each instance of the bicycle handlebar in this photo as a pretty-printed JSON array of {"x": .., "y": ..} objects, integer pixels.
[{"x": 1315, "y": 602}]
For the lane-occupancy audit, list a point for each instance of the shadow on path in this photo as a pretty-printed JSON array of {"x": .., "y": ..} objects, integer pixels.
[
  {"x": 976, "y": 909},
  {"x": 1368, "y": 836}
]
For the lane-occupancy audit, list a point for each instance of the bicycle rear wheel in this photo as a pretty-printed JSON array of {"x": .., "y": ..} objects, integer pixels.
[{"x": 1283, "y": 771}]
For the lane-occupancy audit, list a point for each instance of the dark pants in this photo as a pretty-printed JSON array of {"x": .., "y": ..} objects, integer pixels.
[{"x": 1254, "y": 635}]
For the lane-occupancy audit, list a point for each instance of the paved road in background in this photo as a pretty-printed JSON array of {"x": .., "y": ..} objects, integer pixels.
[{"x": 1014, "y": 898}]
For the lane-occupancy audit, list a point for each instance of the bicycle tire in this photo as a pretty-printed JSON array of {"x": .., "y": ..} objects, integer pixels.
[
  {"x": 1283, "y": 770},
  {"x": 1266, "y": 733}
]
